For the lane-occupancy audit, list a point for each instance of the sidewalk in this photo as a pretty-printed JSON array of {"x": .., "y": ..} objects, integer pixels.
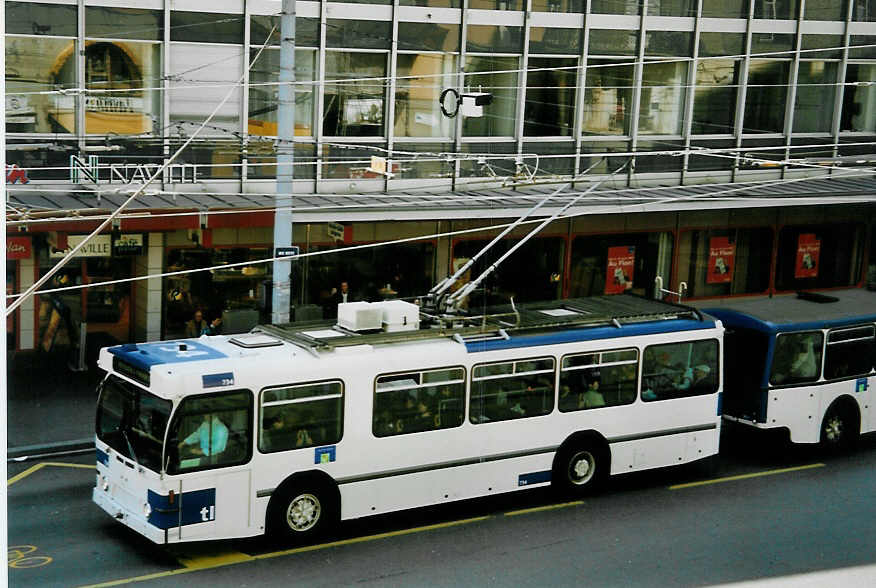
[{"x": 49, "y": 405}]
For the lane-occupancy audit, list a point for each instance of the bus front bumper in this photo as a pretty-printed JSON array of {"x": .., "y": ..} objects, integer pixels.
[{"x": 136, "y": 521}]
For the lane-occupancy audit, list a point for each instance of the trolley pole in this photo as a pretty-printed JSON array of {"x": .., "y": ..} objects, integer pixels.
[{"x": 282, "y": 275}]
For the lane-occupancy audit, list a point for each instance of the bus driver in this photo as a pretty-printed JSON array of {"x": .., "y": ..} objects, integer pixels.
[{"x": 209, "y": 438}]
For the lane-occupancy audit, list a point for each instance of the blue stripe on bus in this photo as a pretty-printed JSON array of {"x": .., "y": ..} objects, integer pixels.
[
  {"x": 146, "y": 355},
  {"x": 102, "y": 457},
  {"x": 198, "y": 506},
  {"x": 534, "y": 478},
  {"x": 591, "y": 334}
]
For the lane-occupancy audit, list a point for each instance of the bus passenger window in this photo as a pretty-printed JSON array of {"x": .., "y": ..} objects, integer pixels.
[
  {"x": 419, "y": 401},
  {"x": 211, "y": 431},
  {"x": 849, "y": 352},
  {"x": 797, "y": 358},
  {"x": 679, "y": 370},
  {"x": 596, "y": 380},
  {"x": 512, "y": 390},
  {"x": 295, "y": 417}
]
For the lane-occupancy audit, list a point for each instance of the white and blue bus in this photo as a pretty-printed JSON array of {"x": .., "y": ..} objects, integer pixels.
[
  {"x": 291, "y": 429},
  {"x": 803, "y": 363}
]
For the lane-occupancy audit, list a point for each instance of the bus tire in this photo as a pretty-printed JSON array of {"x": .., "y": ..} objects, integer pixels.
[
  {"x": 302, "y": 511},
  {"x": 841, "y": 426},
  {"x": 580, "y": 467}
]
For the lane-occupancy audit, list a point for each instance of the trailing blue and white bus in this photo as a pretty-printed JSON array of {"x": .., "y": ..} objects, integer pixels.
[
  {"x": 802, "y": 362},
  {"x": 291, "y": 429}
]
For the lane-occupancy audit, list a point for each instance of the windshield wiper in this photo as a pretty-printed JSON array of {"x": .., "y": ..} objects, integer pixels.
[{"x": 130, "y": 447}]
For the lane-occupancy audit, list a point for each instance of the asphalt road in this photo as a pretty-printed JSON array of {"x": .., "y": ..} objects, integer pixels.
[{"x": 784, "y": 512}]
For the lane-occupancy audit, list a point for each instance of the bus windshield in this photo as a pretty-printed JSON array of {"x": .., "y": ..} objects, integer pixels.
[{"x": 132, "y": 421}]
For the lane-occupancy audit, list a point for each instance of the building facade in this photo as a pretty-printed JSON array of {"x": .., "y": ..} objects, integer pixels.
[{"x": 763, "y": 100}]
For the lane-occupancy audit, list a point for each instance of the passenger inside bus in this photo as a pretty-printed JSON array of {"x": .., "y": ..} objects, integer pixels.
[
  {"x": 592, "y": 398},
  {"x": 209, "y": 439}
]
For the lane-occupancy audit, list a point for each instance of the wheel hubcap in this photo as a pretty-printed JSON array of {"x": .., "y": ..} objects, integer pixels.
[
  {"x": 303, "y": 512},
  {"x": 833, "y": 429},
  {"x": 581, "y": 468}
]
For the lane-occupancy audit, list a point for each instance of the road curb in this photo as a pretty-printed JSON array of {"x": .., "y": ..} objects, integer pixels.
[{"x": 26, "y": 451}]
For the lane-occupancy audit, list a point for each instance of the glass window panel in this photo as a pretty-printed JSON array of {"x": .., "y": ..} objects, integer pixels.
[
  {"x": 835, "y": 262},
  {"x": 859, "y": 101},
  {"x": 498, "y": 159},
  {"x": 578, "y": 361},
  {"x": 215, "y": 159},
  {"x": 364, "y": 1},
  {"x": 494, "y": 39},
  {"x": 816, "y": 89},
  {"x": 715, "y": 96},
  {"x": 725, "y": 8},
  {"x": 776, "y": 9},
  {"x": 303, "y": 416},
  {"x": 201, "y": 76},
  {"x": 825, "y": 10},
  {"x": 597, "y": 387},
  {"x": 42, "y": 160},
  {"x": 718, "y": 162},
  {"x": 725, "y": 262},
  {"x": 206, "y": 27},
  {"x": 661, "y": 110},
  {"x": 408, "y": 409},
  {"x": 607, "y": 98},
  {"x": 211, "y": 431},
  {"x": 775, "y": 44},
  {"x": 39, "y": 65},
  {"x": 592, "y": 158},
  {"x": 262, "y": 160},
  {"x": 354, "y": 108},
  {"x": 358, "y": 34},
  {"x": 536, "y": 365},
  {"x": 619, "y": 356},
  {"x": 615, "y": 7},
  {"x": 496, "y": 4},
  {"x": 613, "y": 42},
  {"x": 832, "y": 44},
  {"x": 672, "y": 8},
  {"x": 850, "y": 352},
  {"x": 866, "y": 44},
  {"x": 512, "y": 397},
  {"x": 765, "y": 99},
  {"x": 432, "y": 3},
  {"x": 421, "y": 79},
  {"x": 499, "y": 116},
  {"x": 864, "y": 10},
  {"x": 119, "y": 66},
  {"x": 124, "y": 23},
  {"x": 721, "y": 44},
  {"x": 589, "y": 261},
  {"x": 679, "y": 370},
  {"x": 550, "y": 40},
  {"x": 306, "y": 30},
  {"x": 558, "y": 5},
  {"x": 264, "y": 93},
  {"x": 424, "y": 36},
  {"x": 651, "y": 159},
  {"x": 797, "y": 358},
  {"x": 550, "y": 97},
  {"x": 33, "y": 18},
  {"x": 495, "y": 369},
  {"x": 669, "y": 43},
  {"x": 554, "y": 158},
  {"x": 349, "y": 162},
  {"x": 424, "y": 160}
]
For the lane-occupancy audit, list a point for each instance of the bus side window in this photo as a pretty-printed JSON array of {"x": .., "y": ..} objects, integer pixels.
[
  {"x": 596, "y": 380},
  {"x": 679, "y": 370},
  {"x": 849, "y": 352},
  {"x": 419, "y": 401},
  {"x": 296, "y": 417},
  {"x": 797, "y": 358},
  {"x": 512, "y": 390}
]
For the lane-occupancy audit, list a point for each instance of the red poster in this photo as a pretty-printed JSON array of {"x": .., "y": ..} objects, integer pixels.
[
  {"x": 18, "y": 248},
  {"x": 722, "y": 258},
  {"x": 808, "y": 249},
  {"x": 619, "y": 269}
]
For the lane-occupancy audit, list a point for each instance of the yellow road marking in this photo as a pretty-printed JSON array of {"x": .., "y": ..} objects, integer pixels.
[
  {"x": 215, "y": 560},
  {"x": 22, "y": 475},
  {"x": 236, "y": 558},
  {"x": 746, "y": 476},
  {"x": 514, "y": 513}
]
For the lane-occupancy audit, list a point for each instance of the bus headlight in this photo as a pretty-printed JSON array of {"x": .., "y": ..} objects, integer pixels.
[
  {"x": 147, "y": 510},
  {"x": 104, "y": 483}
]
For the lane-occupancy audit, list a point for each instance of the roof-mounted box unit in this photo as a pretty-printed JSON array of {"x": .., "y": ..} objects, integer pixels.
[
  {"x": 399, "y": 315},
  {"x": 360, "y": 316}
]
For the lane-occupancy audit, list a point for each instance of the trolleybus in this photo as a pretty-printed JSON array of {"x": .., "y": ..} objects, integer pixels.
[
  {"x": 801, "y": 362},
  {"x": 289, "y": 429}
]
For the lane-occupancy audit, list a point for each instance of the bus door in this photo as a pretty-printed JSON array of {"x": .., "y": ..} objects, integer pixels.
[
  {"x": 848, "y": 363},
  {"x": 210, "y": 446}
]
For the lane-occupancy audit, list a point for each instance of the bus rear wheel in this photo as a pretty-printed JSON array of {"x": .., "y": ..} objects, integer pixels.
[
  {"x": 300, "y": 514},
  {"x": 580, "y": 468},
  {"x": 839, "y": 429}
]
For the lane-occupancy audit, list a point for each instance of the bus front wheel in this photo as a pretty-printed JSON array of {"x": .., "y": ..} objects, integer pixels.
[
  {"x": 840, "y": 427},
  {"x": 300, "y": 513}
]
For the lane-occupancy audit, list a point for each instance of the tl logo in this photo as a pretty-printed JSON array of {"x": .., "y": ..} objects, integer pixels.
[
  {"x": 208, "y": 514},
  {"x": 16, "y": 174},
  {"x": 861, "y": 385}
]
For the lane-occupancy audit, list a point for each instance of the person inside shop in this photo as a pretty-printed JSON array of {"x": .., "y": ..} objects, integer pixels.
[
  {"x": 342, "y": 294},
  {"x": 198, "y": 326}
]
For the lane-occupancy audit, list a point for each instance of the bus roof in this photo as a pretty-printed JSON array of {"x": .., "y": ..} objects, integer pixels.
[{"x": 795, "y": 312}]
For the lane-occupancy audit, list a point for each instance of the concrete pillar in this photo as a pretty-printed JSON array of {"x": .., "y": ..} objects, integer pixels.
[{"x": 148, "y": 293}]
